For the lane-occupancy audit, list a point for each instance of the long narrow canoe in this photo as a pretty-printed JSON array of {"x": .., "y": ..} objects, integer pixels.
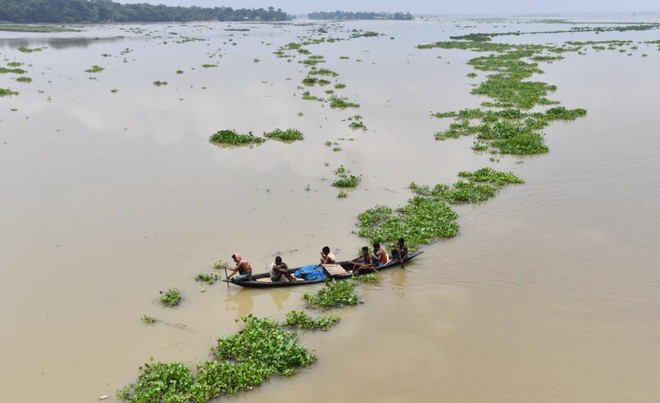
[{"x": 339, "y": 271}]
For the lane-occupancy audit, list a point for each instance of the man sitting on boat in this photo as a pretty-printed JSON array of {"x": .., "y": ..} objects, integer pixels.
[
  {"x": 243, "y": 268},
  {"x": 363, "y": 263},
  {"x": 327, "y": 257},
  {"x": 380, "y": 256},
  {"x": 401, "y": 250},
  {"x": 279, "y": 269}
]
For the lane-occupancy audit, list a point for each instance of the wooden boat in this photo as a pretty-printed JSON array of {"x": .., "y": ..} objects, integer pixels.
[{"x": 338, "y": 271}]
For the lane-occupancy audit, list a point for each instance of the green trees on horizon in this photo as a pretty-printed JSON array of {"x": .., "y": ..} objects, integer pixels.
[{"x": 95, "y": 11}]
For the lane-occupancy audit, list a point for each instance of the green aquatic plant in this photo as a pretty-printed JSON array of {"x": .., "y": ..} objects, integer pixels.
[
  {"x": 262, "y": 342},
  {"x": 148, "y": 320},
  {"x": 208, "y": 66},
  {"x": 342, "y": 103},
  {"x": 285, "y": 135},
  {"x": 179, "y": 72},
  {"x": 24, "y": 79},
  {"x": 4, "y": 70},
  {"x": 334, "y": 295},
  {"x": 367, "y": 278},
  {"x": 323, "y": 72},
  {"x": 299, "y": 319},
  {"x": 4, "y": 92},
  {"x": 428, "y": 216},
  {"x": 309, "y": 97},
  {"x": 310, "y": 81},
  {"x": 340, "y": 86},
  {"x": 171, "y": 298},
  {"x": 347, "y": 182},
  {"x": 208, "y": 278},
  {"x": 231, "y": 137},
  {"x": 14, "y": 64},
  {"x": 342, "y": 194},
  {"x": 159, "y": 83},
  {"x": 94, "y": 69}
]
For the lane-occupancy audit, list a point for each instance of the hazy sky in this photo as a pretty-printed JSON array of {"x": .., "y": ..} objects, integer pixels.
[{"x": 430, "y": 6}]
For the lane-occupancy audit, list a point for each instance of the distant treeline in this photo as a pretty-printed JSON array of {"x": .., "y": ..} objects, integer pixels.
[
  {"x": 359, "y": 15},
  {"x": 93, "y": 11}
]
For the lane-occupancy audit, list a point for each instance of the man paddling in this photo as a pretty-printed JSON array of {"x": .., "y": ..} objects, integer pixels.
[{"x": 243, "y": 268}]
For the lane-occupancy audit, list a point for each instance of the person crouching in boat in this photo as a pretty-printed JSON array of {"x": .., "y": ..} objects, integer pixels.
[
  {"x": 327, "y": 257},
  {"x": 380, "y": 256},
  {"x": 279, "y": 269},
  {"x": 243, "y": 268},
  {"x": 401, "y": 251},
  {"x": 363, "y": 263}
]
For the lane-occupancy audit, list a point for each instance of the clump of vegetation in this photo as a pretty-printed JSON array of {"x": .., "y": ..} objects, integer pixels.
[
  {"x": 347, "y": 182},
  {"x": 356, "y": 123},
  {"x": 171, "y": 298},
  {"x": 285, "y": 135},
  {"x": 309, "y": 97},
  {"x": 342, "y": 103},
  {"x": 114, "y": 90},
  {"x": 208, "y": 66},
  {"x": 340, "y": 86},
  {"x": 94, "y": 69},
  {"x": 179, "y": 72},
  {"x": 148, "y": 320},
  {"x": 335, "y": 294},
  {"x": 301, "y": 320},
  {"x": 367, "y": 278},
  {"x": 4, "y": 70},
  {"x": 262, "y": 345},
  {"x": 159, "y": 83},
  {"x": 4, "y": 92},
  {"x": 342, "y": 194},
  {"x": 208, "y": 278},
  {"x": 310, "y": 81},
  {"x": 220, "y": 264},
  {"x": 231, "y": 137},
  {"x": 24, "y": 79}
]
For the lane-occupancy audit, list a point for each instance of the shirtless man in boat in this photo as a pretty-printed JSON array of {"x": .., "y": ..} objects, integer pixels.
[
  {"x": 279, "y": 269},
  {"x": 243, "y": 268},
  {"x": 363, "y": 263}
]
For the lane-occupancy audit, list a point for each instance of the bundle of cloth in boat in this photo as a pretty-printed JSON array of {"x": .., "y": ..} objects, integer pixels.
[{"x": 310, "y": 272}]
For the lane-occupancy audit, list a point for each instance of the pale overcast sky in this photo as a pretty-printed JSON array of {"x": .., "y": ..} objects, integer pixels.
[{"x": 489, "y": 7}]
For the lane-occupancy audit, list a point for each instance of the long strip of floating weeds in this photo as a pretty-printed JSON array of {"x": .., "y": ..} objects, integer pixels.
[
  {"x": 428, "y": 215},
  {"x": 509, "y": 129},
  {"x": 242, "y": 361}
]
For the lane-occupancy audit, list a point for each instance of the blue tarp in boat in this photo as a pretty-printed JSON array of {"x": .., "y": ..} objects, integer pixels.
[{"x": 310, "y": 272}]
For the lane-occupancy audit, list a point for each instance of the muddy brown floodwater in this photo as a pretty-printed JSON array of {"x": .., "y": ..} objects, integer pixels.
[{"x": 550, "y": 292}]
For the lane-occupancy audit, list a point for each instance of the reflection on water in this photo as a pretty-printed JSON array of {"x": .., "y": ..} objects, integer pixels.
[{"x": 548, "y": 293}]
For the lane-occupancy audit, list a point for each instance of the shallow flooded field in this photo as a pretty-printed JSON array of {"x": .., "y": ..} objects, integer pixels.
[{"x": 111, "y": 191}]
